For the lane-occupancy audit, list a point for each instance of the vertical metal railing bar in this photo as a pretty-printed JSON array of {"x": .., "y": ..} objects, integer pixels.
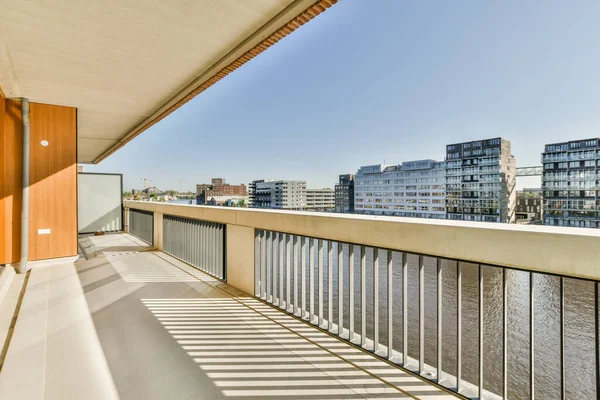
[
  {"x": 208, "y": 247},
  {"x": 390, "y": 319},
  {"x": 188, "y": 240},
  {"x": 295, "y": 252},
  {"x": 275, "y": 261},
  {"x": 458, "y": 326},
  {"x": 205, "y": 249},
  {"x": 375, "y": 300},
  {"x": 351, "y": 291},
  {"x": 215, "y": 248},
  {"x": 561, "y": 316},
  {"x": 222, "y": 249},
  {"x": 303, "y": 270},
  {"x": 404, "y": 309},
  {"x": 211, "y": 248},
  {"x": 504, "y": 336},
  {"x": 196, "y": 241},
  {"x": 531, "y": 338},
  {"x": 340, "y": 263},
  {"x": 263, "y": 264},
  {"x": 329, "y": 285},
  {"x": 257, "y": 263},
  {"x": 363, "y": 296},
  {"x": 287, "y": 272},
  {"x": 421, "y": 315},
  {"x": 320, "y": 278},
  {"x": 192, "y": 242},
  {"x": 175, "y": 235},
  {"x": 202, "y": 240},
  {"x": 268, "y": 264},
  {"x": 311, "y": 279},
  {"x": 597, "y": 338},
  {"x": 439, "y": 288},
  {"x": 480, "y": 328},
  {"x": 281, "y": 294}
]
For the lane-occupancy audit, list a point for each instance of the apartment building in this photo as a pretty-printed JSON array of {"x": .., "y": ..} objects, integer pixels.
[
  {"x": 529, "y": 206},
  {"x": 480, "y": 181},
  {"x": 218, "y": 188},
  {"x": 320, "y": 199},
  {"x": 410, "y": 189},
  {"x": 344, "y": 194},
  {"x": 284, "y": 194},
  {"x": 570, "y": 183}
]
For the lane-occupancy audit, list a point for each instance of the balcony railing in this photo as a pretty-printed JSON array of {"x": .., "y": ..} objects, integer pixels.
[{"x": 483, "y": 309}]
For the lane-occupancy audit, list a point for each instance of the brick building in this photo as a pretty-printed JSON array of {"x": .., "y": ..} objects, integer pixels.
[{"x": 218, "y": 188}]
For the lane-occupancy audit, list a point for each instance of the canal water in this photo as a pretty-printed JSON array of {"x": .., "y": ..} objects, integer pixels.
[{"x": 579, "y": 321}]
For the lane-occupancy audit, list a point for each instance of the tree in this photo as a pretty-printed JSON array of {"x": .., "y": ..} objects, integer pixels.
[{"x": 241, "y": 203}]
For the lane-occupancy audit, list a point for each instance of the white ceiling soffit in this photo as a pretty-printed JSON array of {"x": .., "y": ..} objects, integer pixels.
[{"x": 125, "y": 64}]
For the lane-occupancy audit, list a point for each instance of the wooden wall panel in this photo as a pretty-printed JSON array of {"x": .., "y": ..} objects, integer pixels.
[
  {"x": 11, "y": 135},
  {"x": 53, "y": 182},
  {"x": 3, "y": 236}
]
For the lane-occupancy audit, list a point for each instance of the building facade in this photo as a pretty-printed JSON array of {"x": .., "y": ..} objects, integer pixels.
[
  {"x": 481, "y": 181},
  {"x": 410, "y": 189},
  {"x": 570, "y": 183},
  {"x": 285, "y": 195},
  {"x": 218, "y": 188},
  {"x": 344, "y": 194},
  {"x": 529, "y": 206},
  {"x": 320, "y": 200}
]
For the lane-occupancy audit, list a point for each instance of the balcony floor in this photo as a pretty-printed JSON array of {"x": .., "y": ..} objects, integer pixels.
[{"x": 132, "y": 323}]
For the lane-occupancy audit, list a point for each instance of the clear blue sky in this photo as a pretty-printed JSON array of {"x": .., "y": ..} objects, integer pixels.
[{"x": 369, "y": 80}]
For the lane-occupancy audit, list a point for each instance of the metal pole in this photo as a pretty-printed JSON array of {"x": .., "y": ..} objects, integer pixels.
[
  {"x": 311, "y": 279},
  {"x": 363, "y": 296},
  {"x": 340, "y": 289},
  {"x": 480, "y": 326},
  {"x": 458, "y": 326},
  {"x": 375, "y": 300},
  {"x": 562, "y": 338},
  {"x": 287, "y": 273},
  {"x": 531, "y": 338},
  {"x": 390, "y": 321},
  {"x": 351, "y": 290},
  {"x": 504, "y": 336},
  {"x": 421, "y": 315},
  {"x": 329, "y": 285},
  {"x": 404, "y": 309},
  {"x": 439, "y": 319},
  {"x": 321, "y": 280},
  {"x": 596, "y": 338},
  {"x": 303, "y": 272}
]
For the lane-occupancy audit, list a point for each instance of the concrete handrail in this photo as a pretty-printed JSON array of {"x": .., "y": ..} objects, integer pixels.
[{"x": 566, "y": 251}]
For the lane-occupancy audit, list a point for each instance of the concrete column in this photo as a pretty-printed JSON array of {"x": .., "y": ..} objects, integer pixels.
[
  {"x": 158, "y": 230},
  {"x": 240, "y": 257}
]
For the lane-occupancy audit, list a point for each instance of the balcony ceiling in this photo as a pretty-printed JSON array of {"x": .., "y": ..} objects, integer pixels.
[{"x": 126, "y": 64}]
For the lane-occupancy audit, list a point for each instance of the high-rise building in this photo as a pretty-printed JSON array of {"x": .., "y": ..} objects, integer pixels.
[
  {"x": 480, "y": 181},
  {"x": 218, "y": 188},
  {"x": 529, "y": 206},
  {"x": 320, "y": 200},
  {"x": 410, "y": 189},
  {"x": 287, "y": 195},
  {"x": 344, "y": 194},
  {"x": 570, "y": 183}
]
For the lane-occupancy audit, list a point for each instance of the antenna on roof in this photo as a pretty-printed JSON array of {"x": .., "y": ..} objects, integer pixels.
[{"x": 384, "y": 161}]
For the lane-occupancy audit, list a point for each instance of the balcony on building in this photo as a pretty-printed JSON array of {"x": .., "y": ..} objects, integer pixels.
[{"x": 187, "y": 302}]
